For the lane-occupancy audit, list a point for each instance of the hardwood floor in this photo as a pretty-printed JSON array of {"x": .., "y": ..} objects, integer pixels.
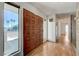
[{"x": 63, "y": 47}]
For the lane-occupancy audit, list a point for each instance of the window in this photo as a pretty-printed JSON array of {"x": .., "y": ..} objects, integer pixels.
[{"x": 10, "y": 29}]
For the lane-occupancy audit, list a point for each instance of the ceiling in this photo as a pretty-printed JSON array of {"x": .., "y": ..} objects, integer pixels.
[{"x": 49, "y": 8}]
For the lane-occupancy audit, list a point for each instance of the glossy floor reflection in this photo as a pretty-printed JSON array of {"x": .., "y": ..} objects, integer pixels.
[{"x": 63, "y": 47}]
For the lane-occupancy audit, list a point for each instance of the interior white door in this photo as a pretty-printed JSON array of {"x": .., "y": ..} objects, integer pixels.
[{"x": 51, "y": 32}]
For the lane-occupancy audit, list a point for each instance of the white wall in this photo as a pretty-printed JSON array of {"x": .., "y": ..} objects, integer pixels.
[
  {"x": 45, "y": 30},
  {"x": 1, "y": 28},
  {"x": 31, "y": 8},
  {"x": 77, "y": 36}
]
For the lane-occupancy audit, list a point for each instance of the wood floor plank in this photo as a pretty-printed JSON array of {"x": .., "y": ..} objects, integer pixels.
[{"x": 62, "y": 48}]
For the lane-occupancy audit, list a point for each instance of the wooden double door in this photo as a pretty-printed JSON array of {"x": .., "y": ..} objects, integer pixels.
[{"x": 32, "y": 31}]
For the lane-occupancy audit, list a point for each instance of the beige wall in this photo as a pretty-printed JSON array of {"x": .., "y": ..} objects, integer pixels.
[{"x": 77, "y": 31}]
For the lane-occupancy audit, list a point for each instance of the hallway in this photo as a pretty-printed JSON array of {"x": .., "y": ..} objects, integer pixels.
[
  {"x": 40, "y": 29},
  {"x": 63, "y": 47}
]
